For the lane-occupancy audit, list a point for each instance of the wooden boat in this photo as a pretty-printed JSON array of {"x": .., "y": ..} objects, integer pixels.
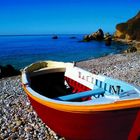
[{"x": 80, "y": 105}]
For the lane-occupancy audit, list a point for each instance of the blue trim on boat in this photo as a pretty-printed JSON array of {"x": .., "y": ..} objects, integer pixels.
[{"x": 97, "y": 91}]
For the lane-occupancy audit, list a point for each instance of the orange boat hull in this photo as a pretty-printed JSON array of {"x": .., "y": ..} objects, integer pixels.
[{"x": 107, "y": 125}]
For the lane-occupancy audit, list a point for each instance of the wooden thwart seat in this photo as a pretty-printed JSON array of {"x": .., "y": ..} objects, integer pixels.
[{"x": 97, "y": 91}]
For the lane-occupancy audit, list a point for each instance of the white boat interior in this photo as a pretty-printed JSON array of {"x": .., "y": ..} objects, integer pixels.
[{"x": 65, "y": 82}]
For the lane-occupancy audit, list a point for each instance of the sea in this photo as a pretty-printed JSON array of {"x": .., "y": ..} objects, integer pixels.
[{"x": 22, "y": 50}]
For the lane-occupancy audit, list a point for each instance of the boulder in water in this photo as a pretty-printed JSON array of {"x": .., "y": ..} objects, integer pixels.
[
  {"x": 108, "y": 39},
  {"x": 55, "y": 37},
  {"x": 98, "y": 35}
]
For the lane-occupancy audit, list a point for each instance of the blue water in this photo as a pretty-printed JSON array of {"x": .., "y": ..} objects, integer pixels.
[{"x": 23, "y": 50}]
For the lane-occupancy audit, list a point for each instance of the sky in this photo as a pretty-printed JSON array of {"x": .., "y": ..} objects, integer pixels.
[{"x": 64, "y": 16}]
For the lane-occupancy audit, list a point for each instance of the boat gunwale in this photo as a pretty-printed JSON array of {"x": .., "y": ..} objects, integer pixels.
[
  {"x": 76, "y": 106},
  {"x": 59, "y": 105}
]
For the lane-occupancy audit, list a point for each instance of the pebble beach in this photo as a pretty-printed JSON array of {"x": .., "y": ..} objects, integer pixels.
[
  {"x": 124, "y": 66},
  {"x": 19, "y": 121}
]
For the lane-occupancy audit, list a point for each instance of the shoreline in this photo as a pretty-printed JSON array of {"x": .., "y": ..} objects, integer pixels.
[
  {"x": 133, "y": 43},
  {"x": 19, "y": 61}
]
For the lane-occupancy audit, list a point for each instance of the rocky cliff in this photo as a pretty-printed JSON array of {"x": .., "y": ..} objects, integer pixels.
[{"x": 129, "y": 30}]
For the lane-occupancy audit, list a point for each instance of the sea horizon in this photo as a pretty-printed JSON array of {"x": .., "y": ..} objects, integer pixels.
[{"x": 46, "y": 34}]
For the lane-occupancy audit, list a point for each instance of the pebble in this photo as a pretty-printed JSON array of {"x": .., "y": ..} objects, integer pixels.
[
  {"x": 28, "y": 129},
  {"x": 18, "y": 123},
  {"x": 14, "y": 129}
]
